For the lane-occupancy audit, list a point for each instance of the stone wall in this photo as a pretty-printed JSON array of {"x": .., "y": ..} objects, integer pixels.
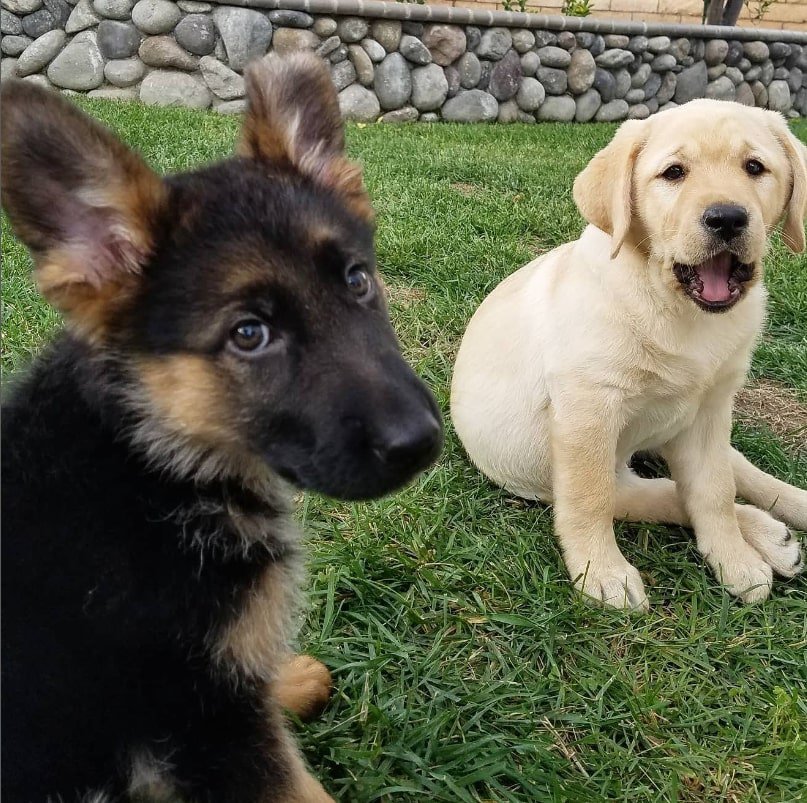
[
  {"x": 399, "y": 62},
  {"x": 790, "y": 15}
]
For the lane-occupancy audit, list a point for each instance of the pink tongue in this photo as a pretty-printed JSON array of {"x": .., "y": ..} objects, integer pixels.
[{"x": 714, "y": 273}]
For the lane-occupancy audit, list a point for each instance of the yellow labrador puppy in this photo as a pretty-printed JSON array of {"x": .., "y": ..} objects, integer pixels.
[{"x": 636, "y": 337}]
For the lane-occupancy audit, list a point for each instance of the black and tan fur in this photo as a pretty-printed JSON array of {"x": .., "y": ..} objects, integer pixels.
[{"x": 150, "y": 562}]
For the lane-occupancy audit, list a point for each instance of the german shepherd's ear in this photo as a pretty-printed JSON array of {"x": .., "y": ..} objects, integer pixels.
[
  {"x": 83, "y": 202},
  {"x": 293, "y": 120}
]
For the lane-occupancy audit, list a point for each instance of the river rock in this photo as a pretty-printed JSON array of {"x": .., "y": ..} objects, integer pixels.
[
  {"x": 470, "y": 70},
  {"x": 245, "y": 33},
  {"x": 414, "y": 50},
  {"x": 358, "y": 103},
  {"x": 118, "y": 40},
  {"x": 446, "y": 43},
  {"x": 495, "y": 42},
  {"x": 351, "y": 29},
  {"x": 531, "y": 94},
  {"x": 554, "y": 57},
  {"x": 614, "y": 59},
  {"x": 691, "y": 83},
  {"x": 429, "y": 87},
  {"x": 80, "y": 65},
  {"x": 113, "y": 9},
  {"x": 285, "y": 18},
  {"x": 387, "y": 33},
  {"x": 124, "y": 72},
  {"x": 172, "y": 88},
  {"x": 554, "y": 81},
  {"x": 586, "y": 105},
  {"x": 721, "y": 89},
  {"x": 82, "y": 16},
  {"x": 156, "y": 16},
  {"x": 557, "y": 109},
  {"x": 223, "y": 82},
  {"x": 393, "y": 81},
  {"x": 373, "y": 50},
  {"x": 40, "y": 52},
  {"x": 290, "y": 40},
  {"x": 612, "y": 112},
  {"x": 581, "y": 71},
  {"x": 505, "y": 77},
  {"x": 163, "y": 51},
  {"x": 472, "y": 106},
  {"x": 197, "y": 34}
]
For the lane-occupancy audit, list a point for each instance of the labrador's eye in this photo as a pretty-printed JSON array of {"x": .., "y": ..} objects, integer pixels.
[
  {"x": 250, "y": 336},
  {"x": 754, "y": 167},
  {"x": 358, "y": 281},
  {"x": 674, "y": 173}
]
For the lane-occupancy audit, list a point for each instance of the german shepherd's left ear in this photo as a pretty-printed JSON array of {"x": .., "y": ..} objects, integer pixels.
[
  {"x": 84, "y": 203},
  {"x": 293, "y": 121}
]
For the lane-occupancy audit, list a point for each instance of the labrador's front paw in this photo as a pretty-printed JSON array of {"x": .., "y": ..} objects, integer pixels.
[
  {"x": 613, "y": 582},
  {"x": 777, "y": 545},
  {"x": 742, "y": 570}
]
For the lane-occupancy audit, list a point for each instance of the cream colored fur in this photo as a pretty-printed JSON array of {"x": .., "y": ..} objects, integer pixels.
[{"x": 593, "y": 352}]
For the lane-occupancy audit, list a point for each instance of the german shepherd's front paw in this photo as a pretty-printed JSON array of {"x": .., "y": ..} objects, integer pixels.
[{"x": 303, "y": 686}]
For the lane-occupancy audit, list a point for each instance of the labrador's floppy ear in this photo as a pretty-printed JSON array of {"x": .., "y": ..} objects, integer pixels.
[
  {"x": 603, "y": 191},
  {"x": 796, "y": 210},
  {"x": 82, "y": 201},
  {"x": 293, "y": 121}
]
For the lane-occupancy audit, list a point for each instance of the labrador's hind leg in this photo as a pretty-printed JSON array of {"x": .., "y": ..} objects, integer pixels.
[
  {"x": 784, "y": 502},
  {"x": 657, "y": 501}
]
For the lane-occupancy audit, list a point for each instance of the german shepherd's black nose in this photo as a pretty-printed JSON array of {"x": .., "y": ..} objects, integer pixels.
[
  {"x": 410, "y": 443},
  {"x": 725, "y": 220}
]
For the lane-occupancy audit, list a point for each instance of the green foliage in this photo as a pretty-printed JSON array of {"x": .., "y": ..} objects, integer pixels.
[
  {"x": 465, "y": 667},
  {"x": 577, "y": 8},
  {"x": 757, "y": 9}
]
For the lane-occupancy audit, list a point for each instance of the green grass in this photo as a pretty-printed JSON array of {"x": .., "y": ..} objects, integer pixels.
[{"x": 466, "y": 669}]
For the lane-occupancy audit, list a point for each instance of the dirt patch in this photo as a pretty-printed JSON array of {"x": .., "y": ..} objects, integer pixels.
[
  {"x": 468, "y": 190},
  {"x": 537, "y": 247},
  {"x": 404, "y": 296},
  {"x": 776, "y": 406}
]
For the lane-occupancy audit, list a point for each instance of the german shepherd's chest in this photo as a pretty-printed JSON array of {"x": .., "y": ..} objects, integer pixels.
[{"x": 153, "y": 565}]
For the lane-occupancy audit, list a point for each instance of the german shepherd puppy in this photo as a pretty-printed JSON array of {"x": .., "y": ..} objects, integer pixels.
[{"x": 226, "y": 338}]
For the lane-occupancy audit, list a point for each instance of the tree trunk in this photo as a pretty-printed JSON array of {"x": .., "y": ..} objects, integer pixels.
[
  {"x": 714, "y": 14},
  {"x": 732, "y": 12},
  {"x": 722, "y": 12}
]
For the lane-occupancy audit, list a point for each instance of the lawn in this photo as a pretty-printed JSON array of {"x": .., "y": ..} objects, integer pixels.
[{"x": 466, "y": 668}]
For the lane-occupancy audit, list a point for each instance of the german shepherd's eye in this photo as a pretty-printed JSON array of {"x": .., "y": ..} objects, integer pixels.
[
  {"x": 358, "y": 281},
  {"x": 250, "y": 336},
  {"x": 754, "y": 167}
]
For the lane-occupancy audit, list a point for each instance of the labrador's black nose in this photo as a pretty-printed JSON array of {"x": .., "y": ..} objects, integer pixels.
[{"x": 725, "y": 220}]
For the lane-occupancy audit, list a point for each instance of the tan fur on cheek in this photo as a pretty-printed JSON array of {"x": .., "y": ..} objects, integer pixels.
[{"x": 186, "y": 393}]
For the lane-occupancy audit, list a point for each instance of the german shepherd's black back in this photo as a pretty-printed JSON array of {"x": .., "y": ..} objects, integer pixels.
[{"x": 226, "y": 337}]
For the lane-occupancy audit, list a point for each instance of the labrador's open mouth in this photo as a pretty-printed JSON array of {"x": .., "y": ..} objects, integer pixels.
[{"x": 716, "y": 284}]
